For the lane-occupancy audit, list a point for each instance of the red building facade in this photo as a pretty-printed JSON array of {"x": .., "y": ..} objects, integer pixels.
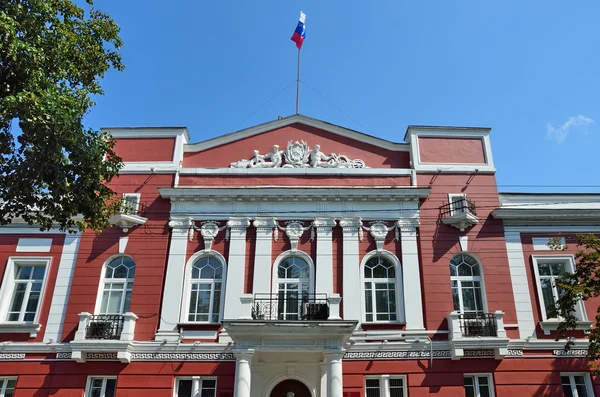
[{"x": 299, "y": 258}]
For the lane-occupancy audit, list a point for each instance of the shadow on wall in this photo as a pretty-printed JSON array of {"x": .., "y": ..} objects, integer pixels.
[{"x": 552, "y": 385}]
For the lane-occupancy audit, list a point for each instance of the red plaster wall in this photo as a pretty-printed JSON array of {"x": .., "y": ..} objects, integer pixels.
[
  {"x": 145, "y": 149},
  {"x": 304, "y": 180},
  {"x": 138, "y": 379},
  {"x": 439, "y": 243},
  {"x": 451, "y": 150},
  {"x": 147, "y": 245},
  {"x": 590, "y": 305},
  {"x": 223, "y": 156},
  {"x": 8, "y": 246},
  {"x": 250, "y": 256}
]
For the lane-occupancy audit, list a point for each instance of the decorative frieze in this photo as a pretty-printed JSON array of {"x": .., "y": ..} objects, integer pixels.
[
  {"x": 298, "y": 155},
  {"x": 570, "y": 353},
  {"x": 515, "y": 353},
  {"x": 479, "y": 353},
  {"x": 386, "y": 355},
  {"x": 64, "y": 356},
  {"x": 224, "y": 356},
  {"x": 11, "y": 356}
]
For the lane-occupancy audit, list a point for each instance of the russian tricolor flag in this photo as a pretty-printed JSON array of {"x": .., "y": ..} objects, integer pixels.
[{"x": 300, "y": 32}]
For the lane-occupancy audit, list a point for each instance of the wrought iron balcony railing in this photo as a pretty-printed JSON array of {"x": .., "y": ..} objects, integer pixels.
[
  {"x": 457, "y": 207},
  {"x": 478, "y": 324},
  {"x": 280, "y": 306},
  {"x": 104, "y": 326}
]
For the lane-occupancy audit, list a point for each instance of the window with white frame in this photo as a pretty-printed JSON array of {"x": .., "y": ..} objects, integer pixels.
[
  {"x": 380, "y": 285},
  {"x": 23, "y": 289},
  {"x": 548, "y": 270},
  {"x": 117, "y": 285},
  {"x": 7, "y": 387},
  {"x": 206, "y": 289},
  {"x": 576, "y": 385},
  {"x": 479, "y": 385},
  {"x": 293, "y": 285},
  {"x": 195, "y": 387},
  {"x": 458, "y": 203},
  {"x": 130, "y": 203},
  {"x": 385, "y": 386},
  {"x": 467, "y": 284},
  {"x": 101, "y": 386}
]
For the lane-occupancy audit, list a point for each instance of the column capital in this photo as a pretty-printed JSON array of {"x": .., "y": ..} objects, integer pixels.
[
  {"x": 265, "y": 222},
  {"x": 334, "y": 356},
  {"x": 182, "y": 223},
  {"x": 323, "y": 222},
  {"x": 349, "y": 223},
  {"x": 238, "y": 222},
  {"x": 244, "y": 355},
  {"x": 407, "y": 225}
]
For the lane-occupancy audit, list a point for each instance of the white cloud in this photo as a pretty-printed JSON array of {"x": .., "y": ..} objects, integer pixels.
[{"x": 560, "y": 133}]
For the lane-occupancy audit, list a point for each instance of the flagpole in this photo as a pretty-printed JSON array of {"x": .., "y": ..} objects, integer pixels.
[{"x": 298, "y": 83}]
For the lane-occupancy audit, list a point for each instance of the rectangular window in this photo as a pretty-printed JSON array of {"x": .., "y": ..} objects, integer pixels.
[
  {"x": 548, "y": 271},
  {"x": 479, "y": 385},
  {"x": 101, "y": 387},
  {"x": 195, "y": 387},
  {"x": 576, "y": 385},
  {"x": 130, "y": 204},
  {"x": 7, "y": 387},
  {"x": 458, "y": 203},
  {"x": 385, "y": 386},
  {"x": 22, "y": 289}
]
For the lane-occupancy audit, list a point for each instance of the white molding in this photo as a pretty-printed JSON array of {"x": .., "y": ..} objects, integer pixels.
[
  {"x": 280, "y": 123},
  {"x": 185, "y": 306},
  {"x": 6, "y": 291},
  {"x": 411, "y": 276},
  {"x": 146, "y": 132},
  {"x": 400, "y": 283},
  {"x": 62, "y": 288},
  {"x": 324, "y": 272},
  {"x": 351, "y": 274},
  {"x": 520, "y": 284},
  {"x": 463, "y": 241},
  {"x": 567, "y": 228},
  {"x": 263, "y": 253},
  {"x": 298, "y": 171},
  {"x": 123, "y": 244},
  {"x": 34, "y": 244},
  {"x": 236, "y": 269},
  {"x": 27, "y": 230}
]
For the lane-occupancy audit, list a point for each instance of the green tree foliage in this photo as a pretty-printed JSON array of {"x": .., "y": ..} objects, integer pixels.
[
  {"x": 54, "y": 170},
  {"x": 581, "y": 285}
]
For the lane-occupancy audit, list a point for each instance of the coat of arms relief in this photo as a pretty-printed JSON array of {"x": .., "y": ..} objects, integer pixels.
[{"x": 298, "y": 155}]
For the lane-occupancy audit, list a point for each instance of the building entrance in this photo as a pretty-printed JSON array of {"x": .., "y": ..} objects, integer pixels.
[{"x": 290, "y": 388}]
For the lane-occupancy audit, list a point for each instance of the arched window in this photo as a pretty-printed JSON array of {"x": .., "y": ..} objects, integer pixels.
[
  {"x": 206, "y": 289},
  {"x": 380, "y": 290},
  {"x": 117, "y": 285},
  {"x": 293, "y": 286},
  {"x": 467, "y": 284}
]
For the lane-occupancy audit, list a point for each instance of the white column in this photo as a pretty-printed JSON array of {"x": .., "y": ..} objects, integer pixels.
[
  {"x": 324, "y": 276},
  {"x": 236, "y": 266},
  {"x": 170, "y": 310},
  {"x": 243, "y": 374},
  {"x": 62, "y": 288},
  {"x": 520, "y": 284},
  {"x": 334, "y": 374},
  {"x": 262, "y": 257},
  {"x": 351, "y": 273},
  {"x": 411, "y": 275}
]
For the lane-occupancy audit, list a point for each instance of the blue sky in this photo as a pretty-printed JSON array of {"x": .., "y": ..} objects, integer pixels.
[{"x": 527, "y": 69}]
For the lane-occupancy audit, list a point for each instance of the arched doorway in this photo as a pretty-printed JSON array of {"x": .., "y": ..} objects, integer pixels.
[{"x": 291, "y": 388}]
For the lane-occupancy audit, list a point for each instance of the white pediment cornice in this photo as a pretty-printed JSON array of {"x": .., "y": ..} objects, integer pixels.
[{"x": 283, "y": 122}]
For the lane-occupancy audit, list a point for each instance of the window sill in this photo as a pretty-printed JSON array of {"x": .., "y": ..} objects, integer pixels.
[
  {"x": 20, "y": 328},
  {"x": 552, "y": 325}
]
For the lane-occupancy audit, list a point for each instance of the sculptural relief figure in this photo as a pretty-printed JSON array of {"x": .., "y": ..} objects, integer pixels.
[
  {"x": 269, "y": 160},
  {"x": 318, "y": 159}
]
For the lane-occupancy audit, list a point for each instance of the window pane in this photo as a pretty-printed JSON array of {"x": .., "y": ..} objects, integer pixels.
[
  {"x": 455, "y": 299},
  {"x": 565, "y": 380},
  {"x": 468, "y": 380},
  {"x": 464, "y": 270},
  {"x": 110, "y": 387},
  {"x": 396, "y": 387},
  {"x": 475, "y": 270},
  {"x": 185, "y": 388},
  {"x": 127, "y": 301},
  {"x": 478, "y": 301},
  {"x": 468, "y": 299},
  {"x": 581, "y": 391},
  {"x": 32, "y": 303},
  {"x": 24, "y": 272},
  {"x": 38, "y": 272},
  {"x": 372, "y": 388},
  {"x": 452, "y": 270},
  {"x": 114, "y": 302},
  {"x": 567, "y": 390},
  {"x": 544, "y": 269},
  {"x": 381, "y": 301},
  {"x": 558, "y": 268},
  {"x": 18, "y": 297},
  {"x": 548, "y": 296},
  {"x": 579, "y": 380},
  {"x": 207, "y": 272},
  {"x": 380, "y": 272}
]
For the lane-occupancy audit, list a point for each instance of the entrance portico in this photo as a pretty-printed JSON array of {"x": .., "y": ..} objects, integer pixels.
[{"x": 271, "y": 353}]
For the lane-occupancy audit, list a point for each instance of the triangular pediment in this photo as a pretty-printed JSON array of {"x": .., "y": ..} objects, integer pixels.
[{"x": 344, "y": 147}]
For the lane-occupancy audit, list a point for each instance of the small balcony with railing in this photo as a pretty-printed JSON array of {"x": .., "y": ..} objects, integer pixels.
[
  {"x": 477, "y": 331},
  {"x": 104, "y": 333},
  {"x": 459, "y": 212},
  {"x": 290, "y": 307}
]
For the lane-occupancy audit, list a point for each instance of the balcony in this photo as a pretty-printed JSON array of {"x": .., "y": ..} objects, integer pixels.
[
  {"x": 460, "y": 213},
  {"x": 104, "y": 333},
  {"x": 279, "y": 307},
  {"x": 477, "y": 332}
]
